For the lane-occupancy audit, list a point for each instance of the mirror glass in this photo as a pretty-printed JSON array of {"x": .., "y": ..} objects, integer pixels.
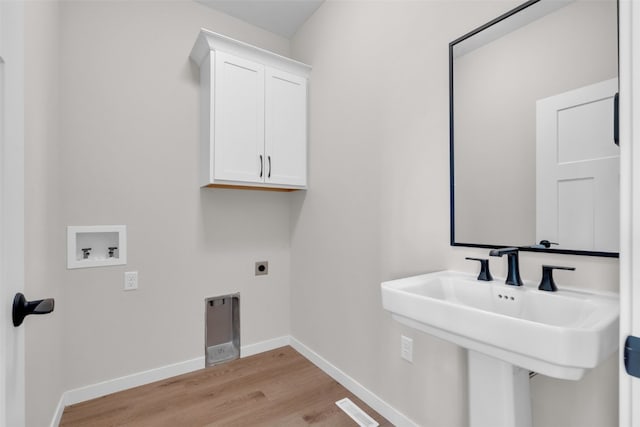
[{"x": 533, "y": 156}]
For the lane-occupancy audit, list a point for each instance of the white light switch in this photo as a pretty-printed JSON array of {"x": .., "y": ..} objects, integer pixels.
[{"x": 130, "y": 280}]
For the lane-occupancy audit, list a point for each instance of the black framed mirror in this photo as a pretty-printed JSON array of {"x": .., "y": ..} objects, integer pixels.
[{"x": 533, "y": 160}]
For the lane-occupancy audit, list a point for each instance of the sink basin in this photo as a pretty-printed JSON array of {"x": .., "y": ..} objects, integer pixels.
[{"x": 559, "y": 334}]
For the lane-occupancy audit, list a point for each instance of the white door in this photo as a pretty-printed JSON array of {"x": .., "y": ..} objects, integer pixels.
[
  {"x": 629, "y": 21},
  {"x": 578, "y": 169},
  {"x": 238, "y": 119},
  {"x": 285, "y": 128},
  {"x": 12, "y": 405}
]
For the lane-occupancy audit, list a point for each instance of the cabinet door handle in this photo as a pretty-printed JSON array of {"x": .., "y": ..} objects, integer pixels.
[
  {"x": 261, "y": 166},
  {"x": 269, "y": 175}
]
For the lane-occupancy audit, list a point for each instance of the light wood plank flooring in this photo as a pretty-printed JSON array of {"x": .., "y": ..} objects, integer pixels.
[{"x": 275, "y": 388}]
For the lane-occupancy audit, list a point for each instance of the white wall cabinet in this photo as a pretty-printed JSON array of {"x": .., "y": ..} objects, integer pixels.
[{"x": 253, "y": 107}]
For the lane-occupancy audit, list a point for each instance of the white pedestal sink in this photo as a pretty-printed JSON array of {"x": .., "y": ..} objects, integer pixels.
[
  {"x": 509, "y": 331},
  {"x": 498, "y": 393}
]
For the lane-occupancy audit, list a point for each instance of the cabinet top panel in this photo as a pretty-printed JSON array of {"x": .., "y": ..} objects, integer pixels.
[{"x": 208, "y": 41}]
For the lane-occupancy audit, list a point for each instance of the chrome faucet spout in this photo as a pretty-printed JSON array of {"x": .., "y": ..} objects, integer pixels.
[{"x": 513, "y": 265}]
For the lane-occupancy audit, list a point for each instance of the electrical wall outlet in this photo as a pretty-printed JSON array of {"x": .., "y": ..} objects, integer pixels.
[
  {"x": 406, "y": 348},
  {"x": 262, "y": 268},
  {"x": 130, "y": 280}
]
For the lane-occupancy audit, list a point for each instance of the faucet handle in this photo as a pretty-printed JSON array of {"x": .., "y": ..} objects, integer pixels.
[
  {"x": 485, "y": 274},
  {"x": 547, "y": 283}
]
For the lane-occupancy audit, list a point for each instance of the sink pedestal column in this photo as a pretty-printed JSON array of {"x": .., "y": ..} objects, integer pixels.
[{"x": 498, "y": 393}]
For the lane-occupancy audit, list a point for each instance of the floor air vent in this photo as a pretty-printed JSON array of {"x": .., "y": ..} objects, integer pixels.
[{"x": 356, "y": 414}]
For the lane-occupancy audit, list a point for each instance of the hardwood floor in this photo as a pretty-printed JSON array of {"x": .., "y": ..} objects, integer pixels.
[{"x": 275, "y": 388}]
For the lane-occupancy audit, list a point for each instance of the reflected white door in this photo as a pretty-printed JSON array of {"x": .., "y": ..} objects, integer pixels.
[
  {"x": 12, "y": 391},
  {"x": 578, "y": 169}
]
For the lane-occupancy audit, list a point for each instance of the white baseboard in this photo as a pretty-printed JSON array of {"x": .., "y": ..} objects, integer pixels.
[
  {"x": 262, "y": 346},
  {"x": 93, "y": 391},
  {"x": 383, "y": 408},
  {"x": 57, "y": 415}
]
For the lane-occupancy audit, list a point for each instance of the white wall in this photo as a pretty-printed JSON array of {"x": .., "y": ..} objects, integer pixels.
[
  {"x": 129, "y": 120},
  {"x": 377, "y": 209},
  {"x": 115, "y": 101}
]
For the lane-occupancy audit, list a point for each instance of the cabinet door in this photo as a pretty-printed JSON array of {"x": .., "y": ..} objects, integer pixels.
[
  {"x": 238, "y": 119},
  {"x": 285, "y": 128}
]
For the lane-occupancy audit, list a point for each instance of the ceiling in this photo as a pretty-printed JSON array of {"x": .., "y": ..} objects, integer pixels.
[{"x": 282, "y": 17}]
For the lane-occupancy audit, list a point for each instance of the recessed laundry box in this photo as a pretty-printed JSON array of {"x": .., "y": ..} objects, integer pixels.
[
  {"x": 222, "y": 329},
  {"x": 96, "y": 246}
]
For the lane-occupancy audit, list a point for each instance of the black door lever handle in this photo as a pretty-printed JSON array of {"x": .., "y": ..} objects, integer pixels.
[
  {"x": 616, "y": 119},
  {"x": 22, "y": 308}
]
